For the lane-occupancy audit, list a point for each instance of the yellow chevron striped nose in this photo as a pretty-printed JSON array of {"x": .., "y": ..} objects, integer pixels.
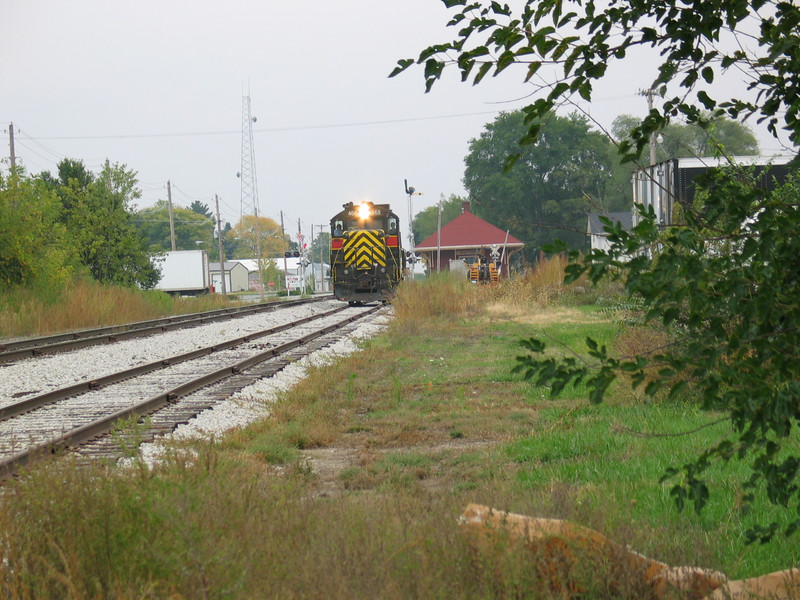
[{"x": 364, "y": 248}]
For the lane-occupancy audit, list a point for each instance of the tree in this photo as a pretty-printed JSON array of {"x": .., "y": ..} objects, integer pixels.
[
  {"x": 33, "y": 243},
  {"x": 724, "y": 286},
  {"x": 190, "y": 227},
  {"x": 247, "y": 232},
  {"x": 680, "y": 140},
  {"x": 320, "y": 247},
  {"x": 229, "y": 243},
  {"x": 426, "y": 221},
  {"x": 556, "y": 180},
  {"x": 68, "y": 170},
  {"x": 101, "y": 228},
  {"x": 202, "y": 209}
]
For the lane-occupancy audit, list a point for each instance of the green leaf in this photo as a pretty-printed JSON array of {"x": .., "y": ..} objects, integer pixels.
[
  {"x": 533, "y": 68},
  {"x": 402, "y": 65},
  {"x": 707, "y": 101},
  {"x": 482, "y": 71}
]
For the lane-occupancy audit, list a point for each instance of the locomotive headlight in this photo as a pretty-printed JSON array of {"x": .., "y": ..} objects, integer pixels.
[
  {"x": 383, "y": 269},
  {"x": 363, "y": 211},
  {"x": 346, "y": 271}
]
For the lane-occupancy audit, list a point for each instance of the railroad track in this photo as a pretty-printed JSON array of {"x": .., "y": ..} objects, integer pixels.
[
  {"x": 13, "y": 350},
  {"x": 168, "y": 392}
]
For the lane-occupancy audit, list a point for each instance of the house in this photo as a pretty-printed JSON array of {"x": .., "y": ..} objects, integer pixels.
[
  {"x": 598, "y": 238},
  {"x": 465, "y": 237},
  {"x": 235, "y": 273}
]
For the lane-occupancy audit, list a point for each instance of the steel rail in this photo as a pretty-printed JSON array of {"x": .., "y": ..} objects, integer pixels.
[
  {"x": 11, "y": 465},
  {"x": 15, "y": 350},
  {"x": 14, "y": 409}
]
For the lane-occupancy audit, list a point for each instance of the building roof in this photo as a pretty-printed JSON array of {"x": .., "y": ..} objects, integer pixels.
[
  {"x": 292, "y": 263},
  {"x": 214, "y": 266},
  {"x": 595, "y": 226},
  {"x": 469, "y": 231}
]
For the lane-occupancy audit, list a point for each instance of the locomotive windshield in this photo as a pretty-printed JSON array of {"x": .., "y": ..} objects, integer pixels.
[{"x": 370, "y": 223}]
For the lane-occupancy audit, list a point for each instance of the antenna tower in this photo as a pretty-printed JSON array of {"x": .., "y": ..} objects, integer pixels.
[{"x": 247, "y": 174}]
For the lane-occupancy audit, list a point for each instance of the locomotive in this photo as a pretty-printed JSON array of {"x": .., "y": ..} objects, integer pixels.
[{"x": 367, "y": 259}]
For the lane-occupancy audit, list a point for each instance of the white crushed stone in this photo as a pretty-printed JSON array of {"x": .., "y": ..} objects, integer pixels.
[
  {"x": 42, "y": 374},
  {"x": 252, "y": 403}
]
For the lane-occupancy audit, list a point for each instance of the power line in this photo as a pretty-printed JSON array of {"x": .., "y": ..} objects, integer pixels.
[
  {"x": 188, "y": 196},
  {"x": 267, "y": 129}
]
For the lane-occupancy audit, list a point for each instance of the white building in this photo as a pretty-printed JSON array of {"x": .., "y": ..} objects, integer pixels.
[
  {"x": 317, "y": 278},
  {"x": 665, "y": 185},
  {"x": 598, "y": 237}
]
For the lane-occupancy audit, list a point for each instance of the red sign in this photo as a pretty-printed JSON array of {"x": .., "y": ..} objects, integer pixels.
[{"x": 271, "y": 284}]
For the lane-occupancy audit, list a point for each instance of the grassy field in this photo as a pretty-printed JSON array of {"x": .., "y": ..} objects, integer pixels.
[{"x": 352, "y": 485}]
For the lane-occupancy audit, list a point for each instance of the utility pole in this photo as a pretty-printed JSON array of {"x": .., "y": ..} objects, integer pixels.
[
  {"x": 649, "y": 95},
  {"x": 11, "y": 145},
  {"x": 439, "y": 238},
  {"x": 321, "y": 262},
  {"x": 302, "y": 263},
  {"x": 171, "y": 218},
  {"x": 221, "y": 247},
  {"x": 260, "y": 258},
  {"x": 285, "y": 267}
]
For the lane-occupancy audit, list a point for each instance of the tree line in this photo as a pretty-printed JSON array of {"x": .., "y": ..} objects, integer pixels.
[
  {"x": 55, "y": 226},
  {"x": 77, "y": 223},
  {"x": 570, "y": 170}
]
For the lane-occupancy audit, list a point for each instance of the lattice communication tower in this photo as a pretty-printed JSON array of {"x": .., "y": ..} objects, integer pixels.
[{"x": 247, "y": 174}]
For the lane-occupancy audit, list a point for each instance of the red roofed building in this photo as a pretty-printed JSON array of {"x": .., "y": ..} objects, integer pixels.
[{"x": 467, "y": 236}]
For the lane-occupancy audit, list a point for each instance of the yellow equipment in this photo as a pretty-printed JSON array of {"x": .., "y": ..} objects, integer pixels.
[{"x": 480, "y": 271}]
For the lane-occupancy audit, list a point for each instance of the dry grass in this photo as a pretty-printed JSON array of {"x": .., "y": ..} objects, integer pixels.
[
  {"x": 445, "y": 295},
  {"x": 541, "y": 285},
  {"x": 440, "y": 295},
  {"x": 85, "y": 305}
]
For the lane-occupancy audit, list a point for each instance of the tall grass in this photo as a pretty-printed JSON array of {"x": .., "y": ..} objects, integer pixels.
[
  {"x": 542, "y": 284},
  {"x": 85, "y": 304},
  {"x": 215, "y": 528},
  {"x": 439, "y": 295},
  {"x": 447, "y": 295}
]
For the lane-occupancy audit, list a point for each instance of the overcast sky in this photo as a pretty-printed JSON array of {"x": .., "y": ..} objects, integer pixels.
[{"x": 157, "y": 85}]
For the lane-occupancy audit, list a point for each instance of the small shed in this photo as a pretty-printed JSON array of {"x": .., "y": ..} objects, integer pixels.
[
  {"x": 235, "y": 274},
  {"x": 466, "y": 237}
]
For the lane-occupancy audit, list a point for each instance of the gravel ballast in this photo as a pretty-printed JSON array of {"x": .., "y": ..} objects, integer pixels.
[
  {"x": 42, "y": 374},
  {"x": 252, "y": 403}
]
